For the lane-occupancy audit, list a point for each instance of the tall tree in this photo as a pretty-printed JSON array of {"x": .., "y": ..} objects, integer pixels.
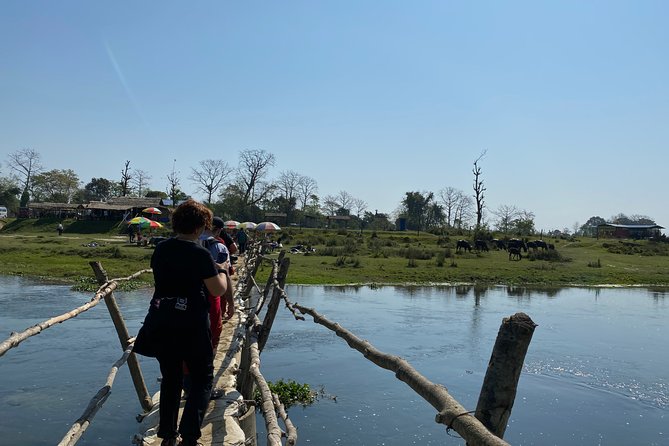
[
  {"x": 253, "y": 168},
  {"x": 359, "y": 206},
  {"x": 288, "y": 183},
  {"x": 173, "y": 183},
  {"x": 9, "y": 193},
  {"x": 416, "y": 206},
  {"x": 479, "y": 190},
  {"x": 25, "y": 163},
  {"x": 330, "y": 205},
  {"x": 506, "y": 214},
  {"x": 451, "y": 200},
  {"x": 57, "y": 186},
  {"x": 345, "y": 201},
  {"x": 98, "y": 189},
  {"x": 210, "y": 176},
  {"x": 140, "y": 182},
  {"x": 306, "y": 189},
  {"x": 126, "y": 178}
]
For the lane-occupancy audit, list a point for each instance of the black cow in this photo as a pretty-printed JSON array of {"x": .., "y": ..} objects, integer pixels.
[
  {"x": 464, "y": 245},
  {"x": 481, "y": 245},
  {"x": 514, "y": 253},
  {"x": 517, "y": 243},
  {"x": 499, "y": 244},
  {"x": 541, "y": 244}
]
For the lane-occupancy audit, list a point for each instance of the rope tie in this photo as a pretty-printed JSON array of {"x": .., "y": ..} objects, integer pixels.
[{"x": 449, "y": 428}]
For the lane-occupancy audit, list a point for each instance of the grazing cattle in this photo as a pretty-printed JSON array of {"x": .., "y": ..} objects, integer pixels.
[
  {"x": 532, "y": 246},
  {"x": 541, "y": 244},
  {"x": 464, "y": 245},
  {"x": 517, "y": 243},
  {"x": 551, "y": 246},
  {"x": 481, "y": 245},
  {"x": 514, "y": 253},
  {"x": 499, "y": 244}
]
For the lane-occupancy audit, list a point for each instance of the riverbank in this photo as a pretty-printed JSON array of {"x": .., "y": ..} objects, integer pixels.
[{"x": 354, "y": 258}]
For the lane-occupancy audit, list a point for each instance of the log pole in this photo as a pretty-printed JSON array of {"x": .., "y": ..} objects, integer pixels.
[
  {"x": 123, "y": 337},
  {"x": 273, "y": 305},
  {"x": 501, "y": 379}
]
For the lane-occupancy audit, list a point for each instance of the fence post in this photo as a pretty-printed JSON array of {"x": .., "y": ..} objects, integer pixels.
[
  {"x": 123, "y": 336},
  {"x": 273, "y": 305},
  {"x": 501, "y": 379}
]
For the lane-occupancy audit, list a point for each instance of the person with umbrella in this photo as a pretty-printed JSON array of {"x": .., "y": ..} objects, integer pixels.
[{"x": 176, "y": 328}]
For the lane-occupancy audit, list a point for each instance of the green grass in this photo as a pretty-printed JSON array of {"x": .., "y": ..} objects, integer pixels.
[{"x": 346, "y": 257}]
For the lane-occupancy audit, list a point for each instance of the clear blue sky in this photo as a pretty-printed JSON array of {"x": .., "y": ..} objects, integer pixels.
[{"x": 569, "y": 98}]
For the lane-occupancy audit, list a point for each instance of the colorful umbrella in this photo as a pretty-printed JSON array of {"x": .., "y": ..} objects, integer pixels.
[
  {"x": 267, "y": 226},
  {"x": 230, "y": 224},
  {"x": 247, "y": 225},
  {"x": 143, "y": 222},
  {"x": 152, "y": 211}
]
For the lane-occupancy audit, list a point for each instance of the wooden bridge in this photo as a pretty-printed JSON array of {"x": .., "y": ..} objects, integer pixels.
[{"x": 231, "y": 416}]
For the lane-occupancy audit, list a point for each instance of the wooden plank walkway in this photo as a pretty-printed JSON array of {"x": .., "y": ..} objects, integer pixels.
[{"x": 221, "y": 424}]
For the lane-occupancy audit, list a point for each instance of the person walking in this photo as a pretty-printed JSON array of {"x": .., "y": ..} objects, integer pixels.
[
  {"x": 176, "y": 328},
  {"x": 60, "y": 229}
]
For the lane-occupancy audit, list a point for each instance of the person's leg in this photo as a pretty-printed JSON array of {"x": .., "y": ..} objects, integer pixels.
[
  {"x": 201, "y": 367},
  {"x": 215, "y": 321},
  {"x": 170, "y": 395}
]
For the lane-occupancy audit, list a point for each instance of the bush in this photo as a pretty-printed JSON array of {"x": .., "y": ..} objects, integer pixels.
[
  {"x": 597, "y": 264},
  {"x": 415, "y": 253}
]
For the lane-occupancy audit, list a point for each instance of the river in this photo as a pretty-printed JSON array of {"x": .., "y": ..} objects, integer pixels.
[{"x": 597, "y": 370}]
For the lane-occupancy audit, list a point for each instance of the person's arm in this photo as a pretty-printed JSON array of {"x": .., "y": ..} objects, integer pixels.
[{"x": 220, "y": 283}]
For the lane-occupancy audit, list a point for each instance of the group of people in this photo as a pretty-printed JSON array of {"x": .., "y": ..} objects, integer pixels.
[{"x": 192, "y": 297}]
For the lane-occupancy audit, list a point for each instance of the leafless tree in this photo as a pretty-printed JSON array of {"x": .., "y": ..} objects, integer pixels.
[
  {"x": 451, "y": 199},
  {"x": 506, "y": 214},
  {"x": 479, "y": 190},
  {"x": 210, "y": 176},
  {"x": 345, "y": 200},
  {"x": 330, "y": 205},
  {"x": 25, "y": 163},
  {"x": 173, "y": 184},
  {"x": 253, "y": 168},
  {"x": 126, "y": 178},
  {"x": 463, "y": 211},
  {"x": 288, "y": 183},
  {"x": 306, "y": 189},
  {"x": 140, "y": 181}
]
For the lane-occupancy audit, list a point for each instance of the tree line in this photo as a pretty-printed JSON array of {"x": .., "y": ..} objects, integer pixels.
[{"x": 246, "y": 191}]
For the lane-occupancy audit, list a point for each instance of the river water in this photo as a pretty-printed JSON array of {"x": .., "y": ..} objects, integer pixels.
[{"x": 597, "y": 370}]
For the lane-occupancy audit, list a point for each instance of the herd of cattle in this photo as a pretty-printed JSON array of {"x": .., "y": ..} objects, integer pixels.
[{"x": 514, "y": 246}]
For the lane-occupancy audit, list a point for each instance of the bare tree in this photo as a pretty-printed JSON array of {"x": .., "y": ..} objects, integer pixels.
[
  {"x": 288, "y": 183},
  {"x": 479, "y": 190},
  {"x": 451, "y": 199},
  {"x": 253, "y": 168},
  {"x": 126, "y": 178},
  {"x": 506, "y": 214},
  {"x": 330, "y": 205},
  {"x": 359, "y": 206},
  {"x": 210, "y": 176},
  {"x": 140, "y": 181},
  {"x": 306, "y": 189},
  {"x": 345, "y": 200},
  {"x": 173, "y": 184},
  {"x": 25, "y": 163},
  {"x": 463, "y": 211}
]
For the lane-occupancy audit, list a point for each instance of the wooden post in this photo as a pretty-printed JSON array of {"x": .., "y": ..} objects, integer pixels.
[
  {"x": 273, "y": 305},
  {"x": 123, "y": 336},
  {"x": 501, "y": 379}
]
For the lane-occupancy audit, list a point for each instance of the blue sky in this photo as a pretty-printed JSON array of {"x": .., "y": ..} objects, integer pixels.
[{"x": 570, "y": 99}]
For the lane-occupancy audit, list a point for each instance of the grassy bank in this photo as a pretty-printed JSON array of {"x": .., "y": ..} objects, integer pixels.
[{"x": 33, "y": 248}]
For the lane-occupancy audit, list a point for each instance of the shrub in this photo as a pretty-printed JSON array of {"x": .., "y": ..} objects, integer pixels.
[
  {"x": 597, "y": 264},
  {"x": 416, "y": 253},
  {"x": 412, "y": 263}
]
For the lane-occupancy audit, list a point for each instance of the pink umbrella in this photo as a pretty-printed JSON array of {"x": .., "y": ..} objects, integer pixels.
[{"x": 152, "y": 211}]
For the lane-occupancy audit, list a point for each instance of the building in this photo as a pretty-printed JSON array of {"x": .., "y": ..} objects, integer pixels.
[{"x": 611, "y": 230}]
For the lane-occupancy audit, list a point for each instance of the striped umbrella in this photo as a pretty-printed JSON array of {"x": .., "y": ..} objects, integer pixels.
[
  {"x": 152, "y": 211},
  {"x": 267, "y": 226},
  {"x": 247, "y": 225},
  {"x": 230, "y": 224}
]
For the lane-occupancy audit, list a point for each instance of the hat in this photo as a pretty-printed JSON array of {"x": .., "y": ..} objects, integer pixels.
[{"x": 217, "y": 222}]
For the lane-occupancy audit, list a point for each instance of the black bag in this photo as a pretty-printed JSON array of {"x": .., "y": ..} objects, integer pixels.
[{"x": 147, "y": 342}]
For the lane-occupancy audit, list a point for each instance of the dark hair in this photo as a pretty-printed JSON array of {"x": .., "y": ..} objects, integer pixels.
[{"x": 190, "y": 216}]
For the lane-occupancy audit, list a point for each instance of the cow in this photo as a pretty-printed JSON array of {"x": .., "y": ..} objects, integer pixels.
[
  {"x": 464, "y": 245},
  {"x": 514, "y": 253},
  {"x": 517, "y": 243},
  {"x": 481, "y": 245},
  {"x": 541, "y": 244},
  {"x": 499, "y": 244}
]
